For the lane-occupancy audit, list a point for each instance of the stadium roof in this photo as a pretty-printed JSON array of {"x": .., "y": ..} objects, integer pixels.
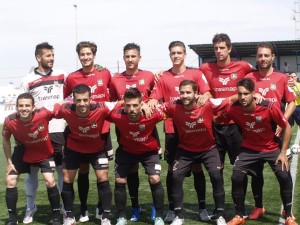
[{"x": 248, "y": 49}]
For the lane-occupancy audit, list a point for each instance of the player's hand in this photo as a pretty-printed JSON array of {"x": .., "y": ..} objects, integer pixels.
[
  {"x": 284, "y": 161},
  {"x": 152, "y": 103},
  {"x": 158, "y": 75},
  {"x": 258, "y": 98},
  {"x": 9, "y": 168},
  {"x": 99, "y": 68},
  {"x": 202, "y": 99},
  {"x": 147, "y": 111},
  {"x": 278, "y": 131}
]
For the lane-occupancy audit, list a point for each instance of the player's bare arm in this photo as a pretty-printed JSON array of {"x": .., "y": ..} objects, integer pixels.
[
  {"x": 7, "y": 151},
  {"x": 287, "y": 131}
]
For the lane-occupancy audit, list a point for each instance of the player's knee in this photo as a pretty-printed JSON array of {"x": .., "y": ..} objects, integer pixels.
[
  {"x": 50, "y": 181},
  {"x": 238, "y": 176},
  {"x": 283, "y": 177},
  {"x": 11, "y": 181},
  {"x": 102, "y": 175},
  {"x": 215, "y": 177},
  {"x": 154, "y": 179},
  {"x": 84, "y": 168},
  {"x": 178, "y": 178},
  {"x": 121, "y": 181}
]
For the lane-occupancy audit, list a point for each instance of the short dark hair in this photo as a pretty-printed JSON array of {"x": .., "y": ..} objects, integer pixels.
[
  {"x": 188, "y": 82},
  {"x": 246, "y": 83},
  {"x": 39, "y": 48},
  {"x": 86, "y": 44},
  {"x": 222, "y": 38},
  {"x": 133, "y": 93},
  {"x": 265, "y": 45},
  {"x": 132, "y": 46},
  {"x": 80, "y": 89},
  {"x": 26, "y": 95},
  {"x": 177, "y": 44}
]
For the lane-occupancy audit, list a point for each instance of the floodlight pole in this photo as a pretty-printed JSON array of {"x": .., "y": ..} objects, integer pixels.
[{"x": 75, "y": 7}]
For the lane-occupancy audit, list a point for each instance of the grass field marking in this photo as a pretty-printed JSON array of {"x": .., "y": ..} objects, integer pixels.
[{"x": 293, "y": 168}]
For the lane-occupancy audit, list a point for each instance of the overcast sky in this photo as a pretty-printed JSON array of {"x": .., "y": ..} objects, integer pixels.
[{"x": 111, "y": 24}]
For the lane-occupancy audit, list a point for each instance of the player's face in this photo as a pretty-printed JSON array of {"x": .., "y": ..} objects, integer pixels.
[
  {"x": 245, "y": 97},
  {"x": 86, "y": 57},
  {"x": 177, "y": 55},
  {"x": 132, "y": 59},
  {"x": 222, "y": 52},
  {"x": 46, "y": 60},
  {"x": 133, "y": 108},
  {"x": 82, "y": 102},
  {"x": 25, "y": 109},
  {"x": 293, "y": 76},
  {"x": 187, "y": 96},
  {"x": 264, "y": 58}
]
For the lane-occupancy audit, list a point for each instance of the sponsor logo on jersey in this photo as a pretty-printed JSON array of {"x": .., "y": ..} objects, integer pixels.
[
  {"x": 200, "y": 119},
  {"x": 224, "y": 81},
  {"x": 233, "y": 76},
  {"x": 84, "y": 129},
  {"x": 263, "y": 91},
  {"x": 250, "y": 125},
  {"x": 190, "y": 125},
  {"x": 34, "y": 134},
  {"x": 141, "y": 82},
  {"x": 259, "y": 119},
  {"x": 273, "y": 86},
  {"x": 134, "y": 134},
  {"x": 41, "y": 127},
  {"x": 142, "y": 127},
  {"x": 130, "y": 86},
  {"x": 48, "y": 89},
  {"x": 100, "y": 82},
  {"x": 177, "y": 89},
  {"x": 93, "y": 88},
  {"x": 93, "y": 124}
]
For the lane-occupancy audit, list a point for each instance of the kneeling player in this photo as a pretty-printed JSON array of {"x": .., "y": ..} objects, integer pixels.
[
  {"x": 258, "y": 123},
  {"x": 30, "y": 130}
]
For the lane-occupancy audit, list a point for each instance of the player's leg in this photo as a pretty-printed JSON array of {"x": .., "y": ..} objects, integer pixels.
[
  {"x": 212, "y": 163},
  {"x": 151, "y": 163},
  {"x": 133, "y": 183},
  {"x": 83, "y": 185},
  {"x": 171, "y": 146},
  {"x": 123, "y": 165},
  {"x": 47, "y": 168},
  {"x": 99, "y": 161}
]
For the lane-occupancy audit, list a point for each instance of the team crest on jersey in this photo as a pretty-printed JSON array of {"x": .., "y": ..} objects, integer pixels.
[
  {"x": 258, "y": 119},
  {"x": 100, "y": 82},
  {"x": 141, "y": 82},
  {"x": 200, "y": 119},
  {"x": 93, "y": 125},
  {"x": 273, "y": 86},
  {"x": 233, "y": 76},
  {"x": 41, "y": 127},
  {"x": 142, "y": 127}
]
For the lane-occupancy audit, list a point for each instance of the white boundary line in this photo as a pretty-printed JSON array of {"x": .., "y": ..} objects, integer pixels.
[{"x": 293, "y": 169}]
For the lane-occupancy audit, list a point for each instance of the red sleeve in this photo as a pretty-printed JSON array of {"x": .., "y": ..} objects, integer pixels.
[
  {"x": 277, "y": 115},
  {"x": 157, "y": 91},
  {"x": 67, "y": 88},
  {"x": 6, "y": 131},
  {"x": 202, "y": 84},
  {"x": 113, "y": 92}
]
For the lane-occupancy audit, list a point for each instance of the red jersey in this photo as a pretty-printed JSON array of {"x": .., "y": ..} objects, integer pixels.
[
  {"x": 142, "y": 80},
  {"x": 273, "y": 87},
  {"x": 223, "y": 80},
  {"x": 32, "y": 134},
  {"x": 194, "y": 127},
  {"x": 167, "y": 88},
  {"x": 98, "y": 81},
  {"x": 136, "y": 136},
  {"x": 85, "y": 132},
  {"x": 258, "y": 127}
]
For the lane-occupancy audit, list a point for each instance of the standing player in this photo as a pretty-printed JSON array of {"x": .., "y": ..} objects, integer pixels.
[
  {"x": 222, "y": 77},
  {"x": 46, "y": 86},
  {"x": 272, "y": 86},
  {"x": 258, "y": 123},
  {"x": 144, "y": 81},
  {"x": 192, "y": 122},
  {"x": 99, "y": 82},
  {"x": 136, "y": 144},
  {"x": 84, "y": 145},
  {"x": 167, "y": 89},
  {"x": 30, "y": 130}
]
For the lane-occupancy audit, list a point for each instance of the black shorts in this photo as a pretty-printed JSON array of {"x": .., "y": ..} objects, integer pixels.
[
  {"x": 250, "y": 161},
  {"x": 185, "y": 159},
  {"x": 46, "y": 166},
  {"x": 228, "y": 139},
  {"x": 171, "y": 146},
  {"x": 73, "y": 159},
  {"x": 58, "y": 142},
  {"x": 17, "y": 160},
  {"x": 125, "y": 160}
]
